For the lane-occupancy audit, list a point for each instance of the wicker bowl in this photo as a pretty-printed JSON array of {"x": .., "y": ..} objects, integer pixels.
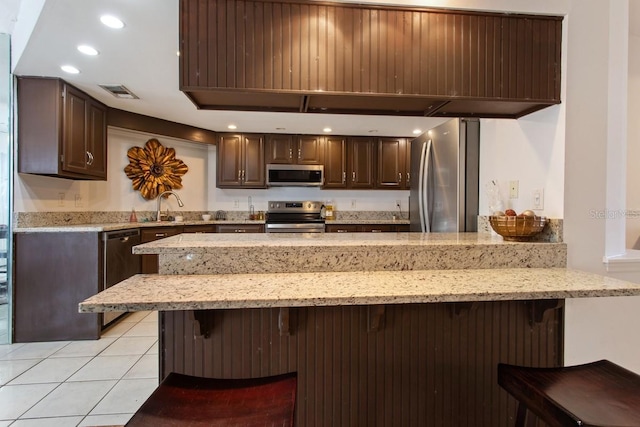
[{"x": 517, "y": 228}]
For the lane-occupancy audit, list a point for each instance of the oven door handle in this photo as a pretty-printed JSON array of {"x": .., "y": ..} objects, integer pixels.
[{"x": 296, "y": 228}]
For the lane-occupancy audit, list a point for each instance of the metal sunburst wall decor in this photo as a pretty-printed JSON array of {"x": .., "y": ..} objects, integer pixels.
[{"x": 154, "y": 169}]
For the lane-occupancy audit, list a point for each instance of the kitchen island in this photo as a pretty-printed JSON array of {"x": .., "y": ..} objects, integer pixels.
[{"x": 400, "y": 329}]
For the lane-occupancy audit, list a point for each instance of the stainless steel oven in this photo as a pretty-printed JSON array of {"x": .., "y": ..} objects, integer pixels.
[{"x": 295, "y": 217}]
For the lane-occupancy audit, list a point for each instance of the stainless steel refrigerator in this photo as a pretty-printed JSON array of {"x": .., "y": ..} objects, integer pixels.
[{"x": 444, "y": 178}]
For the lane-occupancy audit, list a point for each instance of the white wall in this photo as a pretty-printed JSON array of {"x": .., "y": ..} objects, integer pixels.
[
  {"x": 633, "y": 141},
  {"x": 199, "y": 193}
]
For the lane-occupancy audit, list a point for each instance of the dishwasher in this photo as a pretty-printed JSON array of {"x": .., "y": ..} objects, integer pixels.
[{"x": 119, "y": 262}]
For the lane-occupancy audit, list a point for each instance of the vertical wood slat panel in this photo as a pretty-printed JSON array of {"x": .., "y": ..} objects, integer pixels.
[
  {"x": 430, "y": 364},
  {"x": 295, "y": 46}
]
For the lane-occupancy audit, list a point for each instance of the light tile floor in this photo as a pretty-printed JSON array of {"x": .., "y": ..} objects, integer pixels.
[{"x": 80, "y": 383}]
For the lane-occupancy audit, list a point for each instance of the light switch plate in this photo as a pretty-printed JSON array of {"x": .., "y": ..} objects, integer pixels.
[
  {"x": 537, "y": 198},
  {"x": 513, "y": 189}
]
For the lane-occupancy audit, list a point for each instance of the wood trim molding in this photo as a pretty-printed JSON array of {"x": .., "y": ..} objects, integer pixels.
[{"x": 139, "y": 122}]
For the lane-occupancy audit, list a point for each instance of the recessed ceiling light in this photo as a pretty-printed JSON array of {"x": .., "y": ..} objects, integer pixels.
[
  {"x": 87, "y": 50},
  {"x": 69, "y": 69},
  {"x": 327, "y": 129},
  {"x": 417, "y": 131},
  {"x": 232, "y": 127},
  {"x": 111, "y": 21}
]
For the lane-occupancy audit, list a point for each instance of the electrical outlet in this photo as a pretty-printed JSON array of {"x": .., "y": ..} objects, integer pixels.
[
  {"x": 537, "y": 198},
  {"x": 236, "y": 204},
  {"x": 513, "y": 189},
  {"x": 398, "y": 205},
  {"x": 353, "y": 203},
  {"x": 78, "y": 200},
  {"x": 61, "y": 197}
]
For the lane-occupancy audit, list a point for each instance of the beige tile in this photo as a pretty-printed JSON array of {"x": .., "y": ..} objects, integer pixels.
[
  {"x": 10, "y": 369},
  {"x": 151, "y": 317},
  {"x": 75, "y": 398},
  {"x": 117, "y": 330},
  {"x": 129, "y": 346},
  {"x": 35, "y": 350},
  {"x": 105, "y": 420},
  {"x": 48, "y": 422},
  {"x": 146, "y": 367},
  {"x": 143, "y": 329},
  {"x": 52, "y": 370},
  {"x": 8, "y": 348},
  {"x": 126, "y": 397},
  {"x": 17, "y": 399},
  {"x": 105, "y": 368},
  {"x": 135, "y": 317},
  {"x": 84, "y": 348}
]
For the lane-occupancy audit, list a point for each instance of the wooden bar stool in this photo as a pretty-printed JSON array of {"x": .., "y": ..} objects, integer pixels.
[
  {"x": 183, "y": 400},
  {"x": 595, "y": 394}
]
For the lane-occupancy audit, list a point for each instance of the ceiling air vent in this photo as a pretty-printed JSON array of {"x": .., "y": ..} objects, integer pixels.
[{"x": 119, "y": 91}]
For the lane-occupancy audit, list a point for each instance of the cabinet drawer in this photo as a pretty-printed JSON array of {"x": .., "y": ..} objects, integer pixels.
[
  {"x": 342, "y": 228},
  {"x": 240, "y": 228},
  {"x": 156, "y": 233},
  {"x": 210, "y": 228}
]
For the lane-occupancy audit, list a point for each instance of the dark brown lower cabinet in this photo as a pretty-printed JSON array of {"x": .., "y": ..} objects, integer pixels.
[
  {"x": 393, "y": 365},
  {"x": 150, "y": 262},
  {"x": 366, "y": 228},
  {"x": 53, "y": 273},
  {"x": 240, "y": 228}
]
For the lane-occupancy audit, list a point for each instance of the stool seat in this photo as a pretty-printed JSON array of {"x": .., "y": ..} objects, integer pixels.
[
  {"x": 595, "y": 394},
  {"x": 184, "y": 400}
]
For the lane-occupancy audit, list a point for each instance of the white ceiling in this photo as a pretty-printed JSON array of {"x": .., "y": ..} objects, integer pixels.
[{"x": 143, "y": 57}]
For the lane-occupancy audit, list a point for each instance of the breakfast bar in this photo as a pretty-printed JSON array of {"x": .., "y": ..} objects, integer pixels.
[{"x": 396, "y": 329}]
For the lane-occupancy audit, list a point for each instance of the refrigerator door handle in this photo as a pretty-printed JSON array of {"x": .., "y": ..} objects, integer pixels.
[
  {"x": 426, "y": 183},
  {"x": 421, "y": 185}
]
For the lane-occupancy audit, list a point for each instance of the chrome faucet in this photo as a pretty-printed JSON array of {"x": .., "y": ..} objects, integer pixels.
[{"x": 158, "y": 214}]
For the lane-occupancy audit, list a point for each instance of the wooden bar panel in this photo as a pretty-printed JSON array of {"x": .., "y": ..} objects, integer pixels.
[
  {"x": 286, "y": 45},
  {"x": 428, "y": 364}
]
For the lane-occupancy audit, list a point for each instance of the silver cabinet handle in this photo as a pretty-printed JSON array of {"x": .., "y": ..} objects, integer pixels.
[
  {"x": 353, "y": 177},
  {"x": 89, "y": 158},
  {"x": 343, "y": 231},
  {"x": 408, "y": 178},
  {"x": 240, "y": 175},
  {"x": 344, "y": 177},
  {"x": 240, "y": 230},
  {"x": 290, "y": 153},
  {"x": 376, "y": 231},
  {"x": 399, "y": 177},
  {"x": 299, "y": 153},
  {"x": 161, "y": 234}
]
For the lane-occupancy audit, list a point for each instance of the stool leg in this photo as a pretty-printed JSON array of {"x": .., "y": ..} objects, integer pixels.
[{"x": 521, "y": 417}]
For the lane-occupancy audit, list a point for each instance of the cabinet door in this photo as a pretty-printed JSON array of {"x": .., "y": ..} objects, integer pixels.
[
  {"x": 96, "y": 141},
  {"x": 310, "y": 150},
  {"x": 253, "y": 173},
  {"x": 391, "y": 163},
  {"x": 407, "y": 165},
  {"x": 361, "y": 162},
  {"x": 229, "y": 161},
  {"x": 280, "y": 149},
  {"x": 335, "y": 163},
  {"x": 75, "y": 154}
]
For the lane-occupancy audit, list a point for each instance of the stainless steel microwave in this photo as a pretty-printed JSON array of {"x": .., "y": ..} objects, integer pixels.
[{"x": 295, "y": 175}]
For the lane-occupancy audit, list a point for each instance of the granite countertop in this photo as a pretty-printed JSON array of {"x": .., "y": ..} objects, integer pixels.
[
  {"x": 162, "y": 292},
  {"x": 202, "y": 243},
  {"x": 124, "y": 226},
  {"x": 205, "y": 254}
]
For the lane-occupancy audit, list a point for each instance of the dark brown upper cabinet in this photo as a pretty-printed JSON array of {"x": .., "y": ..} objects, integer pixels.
[
  {"x": 62, "y": 131},
  {"x": 335, "y": 163},
  {"x": 297, "y": 56},
  {"x": 361, "y": 162},
  {"x": 240, "y": 161},
  {"x": 295, "y": 149},
  {"x": 393, "y": 165}
]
